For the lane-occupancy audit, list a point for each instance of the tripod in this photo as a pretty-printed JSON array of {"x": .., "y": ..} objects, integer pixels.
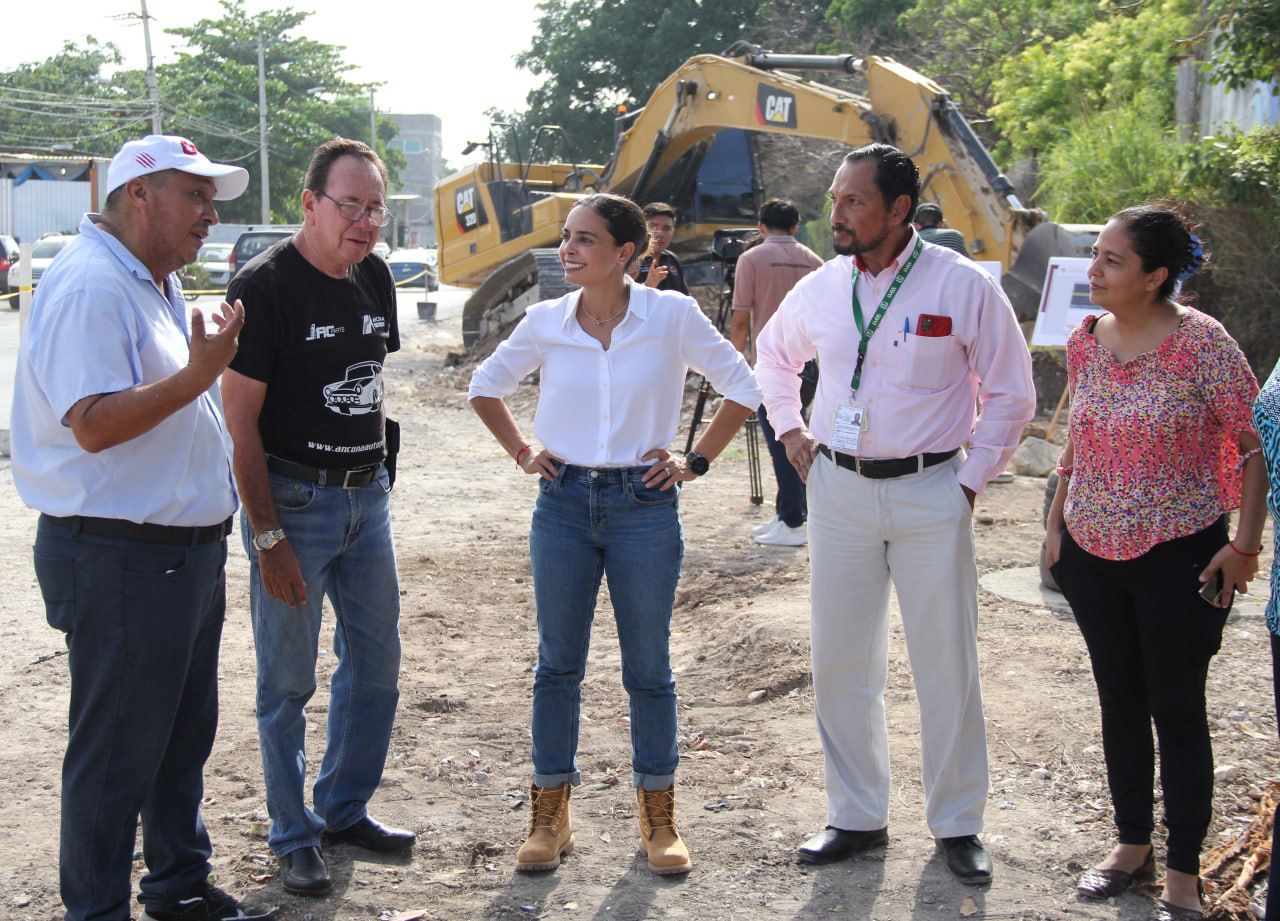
[{"x": 728, "y": 245}]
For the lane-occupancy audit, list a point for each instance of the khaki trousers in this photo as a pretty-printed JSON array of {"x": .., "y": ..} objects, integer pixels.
[{"x": 918, "y": 531}]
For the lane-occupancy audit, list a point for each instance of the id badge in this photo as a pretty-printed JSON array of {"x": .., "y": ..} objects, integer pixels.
[{"x": 850, "y": 423}]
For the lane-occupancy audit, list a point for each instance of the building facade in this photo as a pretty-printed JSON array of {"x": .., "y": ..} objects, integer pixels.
[{"x": 419, "y": 140}]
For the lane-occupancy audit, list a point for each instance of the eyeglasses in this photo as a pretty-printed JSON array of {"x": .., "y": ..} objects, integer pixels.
[{"x": 354, "y": 211}]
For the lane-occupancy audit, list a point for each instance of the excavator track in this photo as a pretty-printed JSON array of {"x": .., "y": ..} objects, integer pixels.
[{"x": 519, "y": 283}]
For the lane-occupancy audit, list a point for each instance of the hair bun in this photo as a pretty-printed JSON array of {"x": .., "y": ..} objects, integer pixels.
[{"x": 1195, "y": 260}]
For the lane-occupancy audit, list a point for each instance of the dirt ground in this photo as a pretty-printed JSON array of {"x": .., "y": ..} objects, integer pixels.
[{"x": 750, "y": 784}]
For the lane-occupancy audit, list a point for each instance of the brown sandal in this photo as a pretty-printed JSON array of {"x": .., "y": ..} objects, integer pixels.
[{"x": 1104, "y": 884}]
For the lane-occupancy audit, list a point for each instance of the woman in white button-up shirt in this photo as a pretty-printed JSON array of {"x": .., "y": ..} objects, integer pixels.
[{"x": 613, "y": 357}]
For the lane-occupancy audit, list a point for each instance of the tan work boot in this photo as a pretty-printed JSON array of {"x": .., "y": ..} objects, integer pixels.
[
  {"x": 658, "y": 836},
  {"x": 550, "y": 834}
]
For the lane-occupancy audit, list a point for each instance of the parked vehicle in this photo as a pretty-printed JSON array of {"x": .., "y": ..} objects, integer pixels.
[
  {"x": 8, "y": 259},
  {"x": 213, "y": 259},
  {"x": 42, "y": 253},
  {"x": 416, "y": 264},
  {"x": 382, "y": 248},
  {"x": 252, "y": 242}
]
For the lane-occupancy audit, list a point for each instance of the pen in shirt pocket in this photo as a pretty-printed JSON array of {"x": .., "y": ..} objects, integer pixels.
[{"x": 906, "y": 328}]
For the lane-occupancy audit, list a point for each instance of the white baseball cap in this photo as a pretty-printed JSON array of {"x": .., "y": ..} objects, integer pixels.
[{"x": 157, "y": 152}]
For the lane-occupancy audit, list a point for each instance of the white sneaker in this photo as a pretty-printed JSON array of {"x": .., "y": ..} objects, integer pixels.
[
  {"x": 783, "y": 535},
  {"x": 763, "y": 528}
]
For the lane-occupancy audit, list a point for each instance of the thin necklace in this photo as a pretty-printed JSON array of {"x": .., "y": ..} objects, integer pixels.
[{"x": 607, "y": 320}]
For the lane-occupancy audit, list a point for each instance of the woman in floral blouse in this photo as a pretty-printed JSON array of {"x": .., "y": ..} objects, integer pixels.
[{"x": 1161, "y": 447}]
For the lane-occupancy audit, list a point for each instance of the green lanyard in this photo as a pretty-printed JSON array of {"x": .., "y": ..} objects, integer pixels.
[{"x": 869, "y": 330}]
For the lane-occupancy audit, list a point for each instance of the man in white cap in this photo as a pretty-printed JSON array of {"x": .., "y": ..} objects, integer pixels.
[{"x": 119, "y": 442}]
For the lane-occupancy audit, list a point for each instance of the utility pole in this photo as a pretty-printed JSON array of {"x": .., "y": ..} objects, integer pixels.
[
  {"x": 262, "y": 132},
  {"x": 152, "y": 89},
  {"x": 373, "y": 123}
]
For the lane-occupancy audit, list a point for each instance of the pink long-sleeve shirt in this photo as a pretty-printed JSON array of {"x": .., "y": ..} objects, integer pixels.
[{"x": 921, "y": 392}]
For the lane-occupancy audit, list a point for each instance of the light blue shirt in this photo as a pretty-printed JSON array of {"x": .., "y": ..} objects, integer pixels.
[{"x": 100, "y": 324}]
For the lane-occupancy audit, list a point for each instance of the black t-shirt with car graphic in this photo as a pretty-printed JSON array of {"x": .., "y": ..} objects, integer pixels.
[{"x": 318, "y": 343}]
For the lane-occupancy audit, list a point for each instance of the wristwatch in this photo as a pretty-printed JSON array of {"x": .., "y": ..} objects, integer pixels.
[
  {"x": 265, "y": 540},
  {"x": 697, "y": 463}
]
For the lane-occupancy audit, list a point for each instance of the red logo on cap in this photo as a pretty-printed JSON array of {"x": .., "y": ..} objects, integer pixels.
[{"x": 189, "y": 148}]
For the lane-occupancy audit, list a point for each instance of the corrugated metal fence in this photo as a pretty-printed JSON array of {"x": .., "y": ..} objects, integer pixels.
[{"x": 42, "y": 206}]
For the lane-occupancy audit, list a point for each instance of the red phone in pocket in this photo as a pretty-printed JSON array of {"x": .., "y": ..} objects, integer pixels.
[{"x": 931, "y": 324}]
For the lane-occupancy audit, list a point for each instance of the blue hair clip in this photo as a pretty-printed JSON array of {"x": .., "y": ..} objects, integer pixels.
[{"x": 1195, "y": 258}]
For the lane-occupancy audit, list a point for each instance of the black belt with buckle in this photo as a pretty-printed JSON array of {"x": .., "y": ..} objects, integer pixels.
[
  {"x": 147, "y": 533},
  {"x": 347, "y": 479},
  {"x": 887, "y": 469}
]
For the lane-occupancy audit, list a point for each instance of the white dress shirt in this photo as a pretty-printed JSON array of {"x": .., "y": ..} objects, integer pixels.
[
  {"x": 601, "y": 407},
  {"x": 919, "y": 391}
]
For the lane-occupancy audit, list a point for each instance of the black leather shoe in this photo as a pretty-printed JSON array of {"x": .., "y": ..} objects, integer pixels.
[
  {"x": 832, "y": 844},
  {"x": 372, "y": 835},
  {"x": 967, "y": 859},
  {"x": 303, "y": 872}
]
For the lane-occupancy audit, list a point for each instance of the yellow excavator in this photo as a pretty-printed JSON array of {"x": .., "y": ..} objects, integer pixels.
[{"x": 498, "y": 223}]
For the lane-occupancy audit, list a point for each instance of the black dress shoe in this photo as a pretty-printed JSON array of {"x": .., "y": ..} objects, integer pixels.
[
  {"x": 372, "y": 835},
  {"x": 833, "y": 844},
  {"x": 303, "y": 872},
  {"x": 967, "y": 859}
]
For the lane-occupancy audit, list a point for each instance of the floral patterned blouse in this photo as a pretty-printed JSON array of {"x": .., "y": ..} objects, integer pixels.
[
  {"x": 1156, "y": 438},
  {"x": 1266, "y": 417}
]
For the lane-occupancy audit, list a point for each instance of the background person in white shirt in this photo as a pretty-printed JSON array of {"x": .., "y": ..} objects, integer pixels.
[
  {"x": 891, "y": 494},
  {"x": 613, "y": 357}
]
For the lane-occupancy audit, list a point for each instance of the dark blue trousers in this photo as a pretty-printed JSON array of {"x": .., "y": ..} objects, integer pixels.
[
  {"x": 791, "y": 504},
  {"x": 143, "y": 623}
]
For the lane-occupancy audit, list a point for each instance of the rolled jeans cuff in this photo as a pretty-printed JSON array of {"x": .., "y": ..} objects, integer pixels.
[
  {"x": 574, "y": 779},
  {"x": 286, "y": 849},
  {"x": 652, "y": 782}
]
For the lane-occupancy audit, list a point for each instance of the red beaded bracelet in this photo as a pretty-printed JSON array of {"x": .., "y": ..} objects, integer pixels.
[
  {"x": 520, "y": 453},
  {"x": 1232, "y": 545}
]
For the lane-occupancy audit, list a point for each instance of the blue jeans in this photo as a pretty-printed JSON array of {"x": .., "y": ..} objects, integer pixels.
[
  {"x": 588, "y": 523},
  {"x": 143, "y": 623},
  {"x": 791, "y": 504},
  {"x": 342, "y": 538}
]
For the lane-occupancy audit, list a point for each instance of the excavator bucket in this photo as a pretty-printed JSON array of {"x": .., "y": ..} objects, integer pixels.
[{"x": 1024, "y": 282}]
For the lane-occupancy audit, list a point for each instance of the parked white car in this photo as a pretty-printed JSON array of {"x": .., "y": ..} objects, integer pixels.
[
  {"x": 42, "y": 253},
  {"x": 213, "y": 259}
]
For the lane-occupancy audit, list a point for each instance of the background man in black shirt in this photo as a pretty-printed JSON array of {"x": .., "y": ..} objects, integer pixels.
[
  {"x": 303, "y": 402},
  {"x": 659, "y": 268}
]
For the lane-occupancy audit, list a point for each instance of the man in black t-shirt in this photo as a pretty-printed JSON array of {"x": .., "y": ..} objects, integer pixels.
[
  {"x": 663, "y": 271},
  {"x": 303, "y": 402}
]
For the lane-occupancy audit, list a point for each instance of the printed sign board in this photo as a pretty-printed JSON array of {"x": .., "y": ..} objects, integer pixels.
[{"x": 1064, "y": 303}]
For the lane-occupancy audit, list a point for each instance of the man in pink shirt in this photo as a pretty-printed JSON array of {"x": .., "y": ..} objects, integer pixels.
[
  {"x": 911, "y": 337},
  {"x": 764, "y": 276}
]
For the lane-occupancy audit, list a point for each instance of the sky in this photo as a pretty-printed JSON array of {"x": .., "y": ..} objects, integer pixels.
[{"x": 443, "y": 57}]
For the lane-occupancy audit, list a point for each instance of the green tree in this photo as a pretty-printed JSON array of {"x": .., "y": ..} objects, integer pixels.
[
  {"x": 65, "y": 100},
  {"x": 208, "y": 94},
  {"x": 1109, "y": 160},
  {"x": 594, "y": 56},
  {"x": 1044, "y": 89},
  {"x": 213, "y": 89},
  {"x": 1248, "y": 46}
]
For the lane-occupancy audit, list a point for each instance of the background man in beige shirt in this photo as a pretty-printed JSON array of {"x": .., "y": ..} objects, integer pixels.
[{"x": 765, "y": 274}]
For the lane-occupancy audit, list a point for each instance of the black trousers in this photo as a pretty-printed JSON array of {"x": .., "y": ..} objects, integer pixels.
[
  {"x": 143, "y": 624},
  {"x": 1150, "y": 637}
]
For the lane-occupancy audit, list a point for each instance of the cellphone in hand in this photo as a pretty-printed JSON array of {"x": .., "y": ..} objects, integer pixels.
[{"x": 1212, "y": 592}]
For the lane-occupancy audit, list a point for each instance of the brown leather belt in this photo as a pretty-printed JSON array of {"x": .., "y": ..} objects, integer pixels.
[
  {"x": 321, "y": 476},
  {"x": 147, "y": 533},
  {"x": 887, "y": 469}
]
